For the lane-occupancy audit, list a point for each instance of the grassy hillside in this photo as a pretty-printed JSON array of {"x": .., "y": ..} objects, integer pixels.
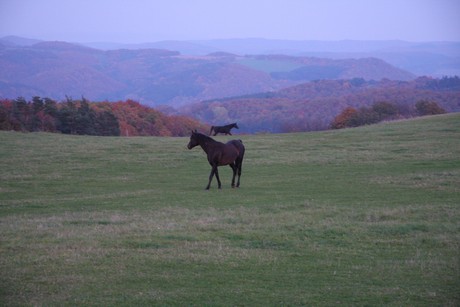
[{"x": 366, "y": 216}]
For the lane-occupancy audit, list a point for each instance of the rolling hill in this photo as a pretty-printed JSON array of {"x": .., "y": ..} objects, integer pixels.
[
  {"x": 163, "y": 77},
  {"x": 356, "y": 217}
]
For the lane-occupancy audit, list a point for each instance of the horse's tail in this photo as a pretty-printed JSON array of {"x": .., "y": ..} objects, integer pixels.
[
  {"x": 210, "y": 131},
  {"x": 240, "y": 147}
]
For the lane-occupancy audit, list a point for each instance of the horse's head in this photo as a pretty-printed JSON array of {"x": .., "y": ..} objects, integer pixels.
[
  {"x": 236, "y": 126},
  {"x": 193, "y": 140}
]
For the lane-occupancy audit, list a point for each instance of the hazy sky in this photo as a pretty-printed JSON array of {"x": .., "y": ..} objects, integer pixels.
[{"x": 137, "y": 21}]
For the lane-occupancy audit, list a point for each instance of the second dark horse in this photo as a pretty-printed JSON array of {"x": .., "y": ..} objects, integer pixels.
[
  {"x": 223, "y": 129},
  {"x": 219, "y": 154}
]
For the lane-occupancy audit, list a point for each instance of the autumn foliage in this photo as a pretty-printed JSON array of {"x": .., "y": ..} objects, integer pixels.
[
  {"x": 381, "y": 111},
  {"x": 343, "y": 120},
  {"x": 320, "y": 104},
  {"x": 425, "y": 107},
  {"x": 122, "y": 118}
]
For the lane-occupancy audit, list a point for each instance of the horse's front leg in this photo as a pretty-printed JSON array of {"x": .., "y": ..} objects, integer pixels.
[
  {"x": 216, "y": 172},
  {"x": 210, "y": 177}
]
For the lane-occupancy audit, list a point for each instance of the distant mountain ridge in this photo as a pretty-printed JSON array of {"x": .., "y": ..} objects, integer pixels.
[
  {"x": 163, "y": 77},
  {"x": 18, "y": 41},
  {"x": 436, "y": 59}
]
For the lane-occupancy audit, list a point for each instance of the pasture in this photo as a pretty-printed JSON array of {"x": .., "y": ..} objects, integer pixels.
[{"x": 365, "y": 216}]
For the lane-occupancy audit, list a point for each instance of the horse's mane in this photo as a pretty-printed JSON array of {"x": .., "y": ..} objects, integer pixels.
[{"x": 204, "y": 137}]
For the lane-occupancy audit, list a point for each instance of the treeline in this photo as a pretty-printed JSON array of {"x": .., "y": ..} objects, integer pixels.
[
  {"x": 82, "y": 117},
  {"x": 381, "y": 111},
  {"x": 445, "y": 83}
]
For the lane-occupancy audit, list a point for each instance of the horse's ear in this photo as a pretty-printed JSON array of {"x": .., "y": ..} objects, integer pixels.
[{"x": 195, "y": 131}]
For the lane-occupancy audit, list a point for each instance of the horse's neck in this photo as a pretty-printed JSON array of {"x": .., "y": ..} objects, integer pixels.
[{"x": 207, "y": 143}]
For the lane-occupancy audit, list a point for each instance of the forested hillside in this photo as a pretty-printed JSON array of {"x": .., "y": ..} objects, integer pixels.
[
  {"x": 317, "y": 105},
  {"x": 154, "y": 76},
  {"x": 125, "y": 118},
  {"x": 314, "y": 105},
  {"x": 271, "y": 93}
]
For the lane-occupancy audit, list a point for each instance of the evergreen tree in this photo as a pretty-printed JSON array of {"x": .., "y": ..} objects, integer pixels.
[
  {"x": 85, "y": 119},
  {"x": 36, "y": 123},
  {"x": 106, "y": 124},
  {"x": 67, "y": 117},
  {"x": 20, "y": 114}
]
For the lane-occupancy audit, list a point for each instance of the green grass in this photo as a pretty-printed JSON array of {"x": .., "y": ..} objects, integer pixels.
[{"x": 366, "y": 216}]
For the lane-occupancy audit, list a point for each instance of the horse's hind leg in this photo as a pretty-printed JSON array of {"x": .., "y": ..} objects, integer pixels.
[
  {"x": 239, "y": 167},
  {"x": 234, "y": 168}
]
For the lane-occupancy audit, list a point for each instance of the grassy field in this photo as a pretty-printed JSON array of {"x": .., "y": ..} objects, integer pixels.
[{"x": 366, "y": 216}]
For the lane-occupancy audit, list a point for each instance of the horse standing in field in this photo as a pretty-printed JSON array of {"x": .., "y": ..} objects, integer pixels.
[
  {"x": 223, "y": 129},
  {"x": 219, "y": 154}
]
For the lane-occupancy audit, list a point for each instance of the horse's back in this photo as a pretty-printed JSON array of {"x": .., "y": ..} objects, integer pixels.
[{"x": 239, "y": 147}]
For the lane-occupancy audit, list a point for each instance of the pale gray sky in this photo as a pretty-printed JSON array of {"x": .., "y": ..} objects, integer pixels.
[{"x": 138, "y": 21}]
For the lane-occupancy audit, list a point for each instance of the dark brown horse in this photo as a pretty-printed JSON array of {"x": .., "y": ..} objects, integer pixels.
[
  {"x": 219, "y": 154},
  {"x": 223, "y": 129}
]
